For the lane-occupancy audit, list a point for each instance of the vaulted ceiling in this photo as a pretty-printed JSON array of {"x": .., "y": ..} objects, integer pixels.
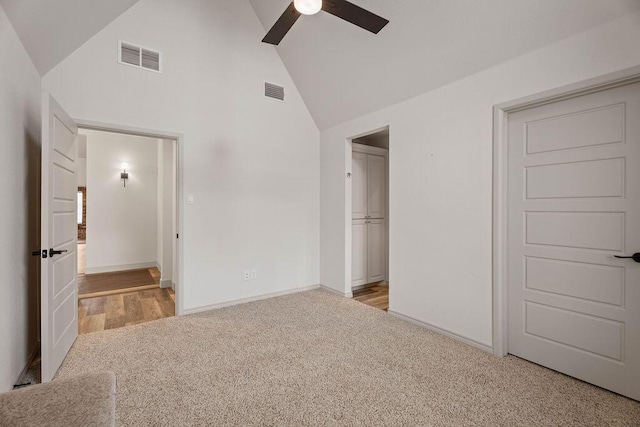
[
  {"x": 343, "y": 72},
  {"x": 50, "y": 30}
]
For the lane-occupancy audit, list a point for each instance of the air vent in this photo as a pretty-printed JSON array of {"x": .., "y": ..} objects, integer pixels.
[
  {"x": 130, "y": 54},
  {"x": 150, "y": 60},
  {"x": 273, "y": 91}
]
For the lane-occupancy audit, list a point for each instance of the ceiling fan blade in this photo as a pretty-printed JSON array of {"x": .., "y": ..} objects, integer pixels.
[
  {"x": 282, "y": 26},
  {"x": 355, "y": 14}
]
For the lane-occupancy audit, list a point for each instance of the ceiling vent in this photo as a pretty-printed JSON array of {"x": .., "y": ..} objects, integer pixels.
[
  {"x": 272, "y": 91},
  {"x": 136, "y": 56}
]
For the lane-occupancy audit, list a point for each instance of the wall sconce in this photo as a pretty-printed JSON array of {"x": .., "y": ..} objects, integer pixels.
[{"x": 124, "y": 175}]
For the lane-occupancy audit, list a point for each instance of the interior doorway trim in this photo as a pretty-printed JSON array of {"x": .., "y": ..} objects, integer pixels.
[
  {"x": 178, "y": 137},
  {"x": 500, "y": 181},
  {"x": 348, "y": 192}
]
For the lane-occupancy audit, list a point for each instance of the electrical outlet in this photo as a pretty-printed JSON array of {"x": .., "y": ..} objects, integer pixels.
[
  {"x": 254, "y": 274},
  {"x": 247, "y": 275}
]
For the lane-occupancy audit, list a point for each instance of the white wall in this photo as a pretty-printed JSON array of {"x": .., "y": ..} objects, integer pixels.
[
  {"x": 441, "y": 179},
  {"x": 81, "y": 161},
  {"x": 19, "y": 211},
  {"x": 81, "y": 164},
  {"x": 168, "y": 206},
  {"x": 175, "y": 274},
  {"x": 252, "y": 164},
  {"x": 121, "y": 221},
  {"x": 160, "y": 204},
  {"x": 166, "y": 210}
]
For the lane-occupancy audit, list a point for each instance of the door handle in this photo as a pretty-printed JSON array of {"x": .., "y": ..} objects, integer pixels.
[
  {"x": 53, "y": 252},
  {"x": 635, "y": 257}
]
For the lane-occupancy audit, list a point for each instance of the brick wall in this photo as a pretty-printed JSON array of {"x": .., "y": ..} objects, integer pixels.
[{"x": 82, "y": 228}]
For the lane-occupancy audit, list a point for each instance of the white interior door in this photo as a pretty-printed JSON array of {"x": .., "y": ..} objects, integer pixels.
[
  {"x": 574, "y": 203},
  {"x": 359, "y": 185},
  {"x": 376, "y": 186},
  {"x": 59, "y": 297},
  {"x": 376, "y": 253},
  {"x": 359, "y": 252}
]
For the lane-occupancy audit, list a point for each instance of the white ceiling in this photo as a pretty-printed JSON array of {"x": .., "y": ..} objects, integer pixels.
[
  {"x": 50, "y": 30},
  {"x": 344, "y": 72}
]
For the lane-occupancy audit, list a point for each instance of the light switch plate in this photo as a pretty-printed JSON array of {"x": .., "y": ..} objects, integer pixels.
[{"x": 190, "y": 199}]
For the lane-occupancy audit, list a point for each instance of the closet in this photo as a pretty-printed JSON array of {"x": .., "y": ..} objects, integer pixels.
[{"x": 369, "y": 214}]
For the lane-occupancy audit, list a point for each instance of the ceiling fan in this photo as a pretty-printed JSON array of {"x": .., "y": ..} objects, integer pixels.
[{"x": 340, "y": 8}]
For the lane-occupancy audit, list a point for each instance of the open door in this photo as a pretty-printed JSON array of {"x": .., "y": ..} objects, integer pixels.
[{"x": 59, "y": 299}]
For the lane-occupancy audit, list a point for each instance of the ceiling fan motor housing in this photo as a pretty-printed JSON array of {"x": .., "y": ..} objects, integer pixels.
[{"x": 308, "y": 7}]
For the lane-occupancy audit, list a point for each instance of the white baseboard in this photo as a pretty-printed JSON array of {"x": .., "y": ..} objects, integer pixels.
[
  {"x": 167, "y": 284},
  {"x": 250, "y": 299},
  {"x": 453, "y": 335},
  {"x": 124, "y": 267},
  {"x": 333, "y": 291}
]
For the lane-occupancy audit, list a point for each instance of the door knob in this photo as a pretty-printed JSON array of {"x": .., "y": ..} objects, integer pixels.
[
  {"x": 53, "y": 252},
  {"x": 635, "y": 257}
]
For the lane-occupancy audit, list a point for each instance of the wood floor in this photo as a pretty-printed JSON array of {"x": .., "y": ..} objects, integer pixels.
[
  {"x": 93, "y": 285},
  {"x": 114, "y": 311},
  {"x": 375, "y": 296},
  {"x": 122, "y": 298}
]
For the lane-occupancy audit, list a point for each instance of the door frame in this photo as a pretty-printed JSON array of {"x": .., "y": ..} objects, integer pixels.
[
  {"x": 348, "y": 218},
  {"x": 179, "y": 138},
  {"x": 500, "y": 181}
]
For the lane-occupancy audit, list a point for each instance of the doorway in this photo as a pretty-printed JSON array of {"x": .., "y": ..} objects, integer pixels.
[
  {"x": 567, "y": 210},
  {"x": 59, "y": 226},
  {"x": 127, "y": 222},
  {"x": 370, "y": 219}
]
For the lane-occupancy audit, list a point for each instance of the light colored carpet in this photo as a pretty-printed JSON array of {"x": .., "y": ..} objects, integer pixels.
[
  {"x": 83, "y": 400},
  {"x": 317, "y": 359}
]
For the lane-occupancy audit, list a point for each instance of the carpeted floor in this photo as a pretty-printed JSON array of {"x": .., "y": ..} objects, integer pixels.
[{"x": 317, "y": 359}]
